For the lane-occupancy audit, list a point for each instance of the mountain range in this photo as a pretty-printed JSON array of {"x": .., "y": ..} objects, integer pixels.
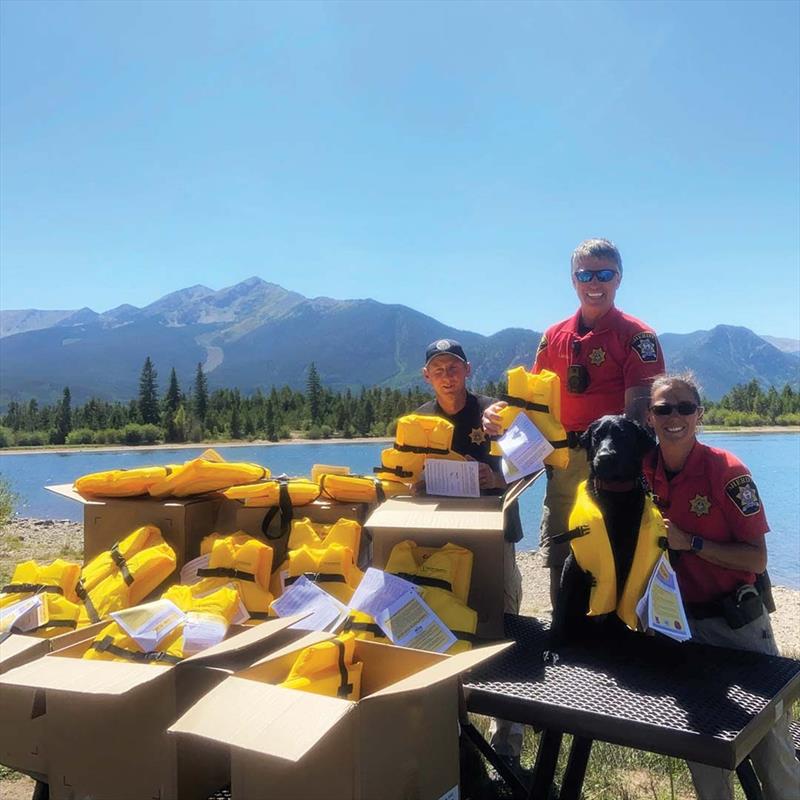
[{"x": 257, "y": 334}]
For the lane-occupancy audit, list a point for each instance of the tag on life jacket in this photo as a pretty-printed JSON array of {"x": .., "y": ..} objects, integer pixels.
[
  {"x": 148, "y": 623},
  {"x": 410, "y": 622},
  {"x": 201, "y": 631},
  {"x": 24, "y": 615},
  {"x": 189, "y": 570}
]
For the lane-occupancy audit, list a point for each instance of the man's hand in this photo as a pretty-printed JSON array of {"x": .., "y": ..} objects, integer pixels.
[
  {"x": 418, "y": 488},
  {"x": 492, "y": 424},
  {"x": 676, "y": 538},
  {"x": 487, "y": 477}
]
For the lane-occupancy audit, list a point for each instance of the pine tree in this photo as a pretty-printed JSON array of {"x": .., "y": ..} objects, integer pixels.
[
  {"x": 148, "y": 394},
  {"x": 64, "y": 417},
  {"x": 172, "y": 402},
  {"x": 236, "y": 416},
  {"x": 200, "y": 396},
  {"x": 314, "y": 394}
]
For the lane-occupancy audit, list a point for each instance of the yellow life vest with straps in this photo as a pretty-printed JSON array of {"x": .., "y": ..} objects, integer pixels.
[
  {"x": 114, "y": 559},
  {"x": 332, "y": 568},
  {"x": 363, "y": 626},
  {"x": 120, "y": 482},
  {"x": 56, "y": 583},
  {"x": 592, "y": 551},
  {"x": 359, "y": 488},
  {"x": 129, "y": 584},
  {"x": 208, "y": 473},
  {"x": 539, "y": 396},
  {"x": 346, "y": 532},
  {"x": 242, "y": 560},
  {"x": 327, "y": 668}
]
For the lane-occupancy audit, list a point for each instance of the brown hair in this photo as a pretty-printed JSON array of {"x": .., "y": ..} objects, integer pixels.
[{"x": 685, "y": 379}]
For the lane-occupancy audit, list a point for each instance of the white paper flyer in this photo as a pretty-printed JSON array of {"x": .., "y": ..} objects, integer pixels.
[
  {"x": 452, "y": 478},
  {"x": 410, "y": 622},
  {"x": 378, "y": 590},
  {"x": 324, "y": 611},
  {"x": 149, "y": 623},
  {"x": 664, "y": 604},
  {"x": 24, "y": 615},
  {"x": 524, "y": 446}
]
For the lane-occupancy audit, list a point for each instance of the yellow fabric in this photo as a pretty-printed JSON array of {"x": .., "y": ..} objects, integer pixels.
[
  {"x": 346, "y": 532},
  {"x": 149, "y": 568},
  {"x": 399, "y": 466},
  {"x": 208, "y": 473},
  {"x": 266, "y": 494},
  {"x": 451, "y": 563},
  {"x": 594, "y": 555},
  {"x": 120, "y": 482},
  {"x": 359, "y": 488},
  {"x": 363, "y": 626},
  {"x": 542, "y": 388},
  {"x": 103, "y": 565},
  {"x": 334, "y": 560},
  {"x": 317, "y": 669},
  {"x": 458, "y": 616},
  {"x": 60, "y": 573},
  {"x": 433, "y": 434}
]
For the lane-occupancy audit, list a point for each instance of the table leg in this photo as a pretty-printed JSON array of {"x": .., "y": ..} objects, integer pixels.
[
  {"x": 747, "y": 777},
  {"x": 517, "y": 786},
  {"x": 544, "y": 770},
  {"x": 576, "y": 768}
]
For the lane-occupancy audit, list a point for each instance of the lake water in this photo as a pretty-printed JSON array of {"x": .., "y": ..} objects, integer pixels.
[{"x": 774, "y": 460}]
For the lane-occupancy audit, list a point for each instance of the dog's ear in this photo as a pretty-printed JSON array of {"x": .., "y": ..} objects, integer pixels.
[
  {"x": 644, "y": 439},
  {"x": 585, "y": 441}
]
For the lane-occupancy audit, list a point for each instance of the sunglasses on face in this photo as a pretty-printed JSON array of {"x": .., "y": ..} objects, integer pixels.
[
  {"x": 685, "y": 409},
  {"x": 603, "y": 275}
]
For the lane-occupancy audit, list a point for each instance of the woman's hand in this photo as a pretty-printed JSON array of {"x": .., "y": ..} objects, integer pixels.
[
  {"x": 676, "y": 538},
  {"x": 492, "y": 424}
]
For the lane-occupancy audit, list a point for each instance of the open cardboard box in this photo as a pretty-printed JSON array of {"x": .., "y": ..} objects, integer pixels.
[
  {"x": 106, "y": 721},
  {"x": 399, "y": 740},
  {"x": 476, "y": 523},
  {"x": 183, "y": 521},
  {"x": 22, "y": 709}
]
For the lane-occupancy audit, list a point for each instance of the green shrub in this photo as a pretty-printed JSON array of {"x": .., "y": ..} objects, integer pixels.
[
  {"x": 81, "y": 436},
  {"x": 109, "y": 436},
  {"x": 141, "y": 434},
  {"x": 6, "y": 437},
  {"x": 8, "y": 501},
  {"x": 33, "y": 438},
  {"x": 785, "y": 419}
]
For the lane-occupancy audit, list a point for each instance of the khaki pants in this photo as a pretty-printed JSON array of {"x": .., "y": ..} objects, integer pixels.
[{"x": 773, "y": 757}]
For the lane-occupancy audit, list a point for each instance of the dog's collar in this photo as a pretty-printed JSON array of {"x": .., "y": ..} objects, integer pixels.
[{"x": 615, "y": 486}]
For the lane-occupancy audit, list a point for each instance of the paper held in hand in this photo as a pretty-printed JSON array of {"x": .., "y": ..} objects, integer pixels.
[
  {"x": 661, "y": 607},
  {"x": 524, "y": 448},
  {"x": 452, "y": 478}
]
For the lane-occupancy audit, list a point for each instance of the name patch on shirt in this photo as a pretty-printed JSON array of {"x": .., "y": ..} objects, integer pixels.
[
  {"x": 742, "y": 491},
  {"x": 646, "y": 346}
]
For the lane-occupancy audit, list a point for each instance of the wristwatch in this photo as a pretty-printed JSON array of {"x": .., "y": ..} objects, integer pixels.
[{"x": 697, "y": 544}]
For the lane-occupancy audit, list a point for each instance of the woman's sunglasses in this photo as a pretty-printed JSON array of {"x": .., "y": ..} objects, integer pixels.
[
  {"x": 685, "y": 409},
  {"x": 603, "y": 275}
]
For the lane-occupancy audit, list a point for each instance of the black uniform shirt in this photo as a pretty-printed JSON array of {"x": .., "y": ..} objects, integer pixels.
[{"x": 470, "y": 440}]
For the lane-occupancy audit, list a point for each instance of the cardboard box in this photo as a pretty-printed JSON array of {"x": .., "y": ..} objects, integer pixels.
[
  {"x": 22, "y": 709},
  {"x": 183, "y": 522},
  {"x": 400, "y": 740},
  {"x": 475, "y": 523},
  {"x": 106, "y": 722}
]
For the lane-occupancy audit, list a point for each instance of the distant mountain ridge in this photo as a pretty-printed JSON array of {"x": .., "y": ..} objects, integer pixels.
[{"x": 256, "y": 334}]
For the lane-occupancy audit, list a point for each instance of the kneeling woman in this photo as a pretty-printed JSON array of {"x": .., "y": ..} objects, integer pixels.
[{"x": 715, "y": 517}]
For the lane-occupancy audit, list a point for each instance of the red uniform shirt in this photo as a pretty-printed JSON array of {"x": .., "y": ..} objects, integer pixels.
[
  {"x": 618, "y": 353},
  {"x": 713, "y": 497}
]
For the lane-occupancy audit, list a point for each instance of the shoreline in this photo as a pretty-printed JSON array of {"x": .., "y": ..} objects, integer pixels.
[{"x": 118, "y": 448}]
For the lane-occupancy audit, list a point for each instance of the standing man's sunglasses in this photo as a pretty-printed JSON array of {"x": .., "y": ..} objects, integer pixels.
[
  {"x": 685, "y": 409},
  {"x": 603, "y": 275}
]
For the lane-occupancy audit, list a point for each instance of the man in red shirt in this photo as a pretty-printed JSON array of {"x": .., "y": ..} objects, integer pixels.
[{"x": 605, "y": 360}]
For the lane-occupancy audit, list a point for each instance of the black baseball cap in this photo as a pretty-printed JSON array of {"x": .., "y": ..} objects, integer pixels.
[{"x": 444, "y": 347}]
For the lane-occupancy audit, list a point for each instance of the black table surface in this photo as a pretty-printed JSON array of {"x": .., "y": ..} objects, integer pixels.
[{"x": 709, "y": 704}]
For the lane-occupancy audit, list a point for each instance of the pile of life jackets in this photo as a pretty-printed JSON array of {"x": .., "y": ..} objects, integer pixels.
[
  {"x": 325, "y": 554},
  {"x": 359, "y": 488},
  {"x": 417, "y": 439},
  {"x": 208, "y": 473},
  {"x": 327, "y": 668},
  {"x": 538, "y": 395},
  {"x": 113, "y": 643}
]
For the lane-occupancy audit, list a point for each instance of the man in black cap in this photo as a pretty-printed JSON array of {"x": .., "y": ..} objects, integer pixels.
[{"x": 446, "y": 370}]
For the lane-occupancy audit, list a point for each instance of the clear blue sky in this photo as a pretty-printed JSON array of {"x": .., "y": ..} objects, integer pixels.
[{"x": 445, "y": 156}]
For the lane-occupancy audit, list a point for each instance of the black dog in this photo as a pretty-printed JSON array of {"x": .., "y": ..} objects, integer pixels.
[{"x": 615, "y": 448}]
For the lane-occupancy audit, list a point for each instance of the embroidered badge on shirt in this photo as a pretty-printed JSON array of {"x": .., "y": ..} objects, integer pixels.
[
  {"x": 700, "y": 505},
  {"x": 646, "y": 346},
  {"x": 742, "y": 491},
  {"x": 477, "y": 436},
  {"x": 597, "y": 356}
]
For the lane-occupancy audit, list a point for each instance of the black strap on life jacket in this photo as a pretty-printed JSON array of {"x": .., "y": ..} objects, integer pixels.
[
  {"x": 226, "y": 572},
  {"x": 31, "y": 588},
  {"x": 365, "y": 627},
  {"x": 55, "y": 623},
  {"x": 465, "y": 636},
  {"x": 518, "y": 402},
  {"x": 424, "y": 580},
  {"x": 412, "y": 448},
  {"x": 106, "y": 645},
  {"x": 83, "y": 596},
  {"x": 259, "y": 614},
  {"x": 568, "y": 536},
  {"x": 380, "y": 494},
  {"x": 399, "y": 471},
  {"x": 284, "y": 508},
  {"x": 344, "y": 687},
  {"x": 122, "y": 565},
  {"x": 316, "y": 577}
]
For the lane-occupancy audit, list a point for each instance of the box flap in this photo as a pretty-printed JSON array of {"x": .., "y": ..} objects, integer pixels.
[
  {"x": 443, "y": 670},
  {"x": 311, "y": 638},
  {"x": 263, "y": 718},
  {"x": 439, "y": 513},
  {"x": 68, "y": 490},
  {"x": 17, "y": 649},
  {"x": 248, "y": 637},
  {"x": 85, "y": 676},
  {"x": 516, "y": 490}
]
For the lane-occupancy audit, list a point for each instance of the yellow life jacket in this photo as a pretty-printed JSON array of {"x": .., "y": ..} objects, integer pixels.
[
  {"x": 56, "y": 583},
  {"x": 359, "y": 488},
  {"x": 144, "y": 572},
  {"x": 222, "y": 602},
  {"x": 120, "y": 482},
  {"x": 208, "y": 473},
  {"x": 332, "y": 568},
  {"x": 363, "y": 626},
  {"x": 113, "y": 644},
  {"x": 458, "y": 616},
  {"x": 242, "y": 560},
  {"x": 397, "y": 465},
  {"x": 448, "y": 568},
  {"x": 593, "y": 553},
  {"x": 109, "y": 561},
  {"x": 327, "y": 668},
  {"x": 265, "y": 494},
  {"x": 346, "y": 532},
  {"x": 539, "y": 396}
]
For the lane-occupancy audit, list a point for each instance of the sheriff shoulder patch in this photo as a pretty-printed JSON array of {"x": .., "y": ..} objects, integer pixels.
[
  {"x": 744, "y": 495},
  {"x": 646, "y": 346}
]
